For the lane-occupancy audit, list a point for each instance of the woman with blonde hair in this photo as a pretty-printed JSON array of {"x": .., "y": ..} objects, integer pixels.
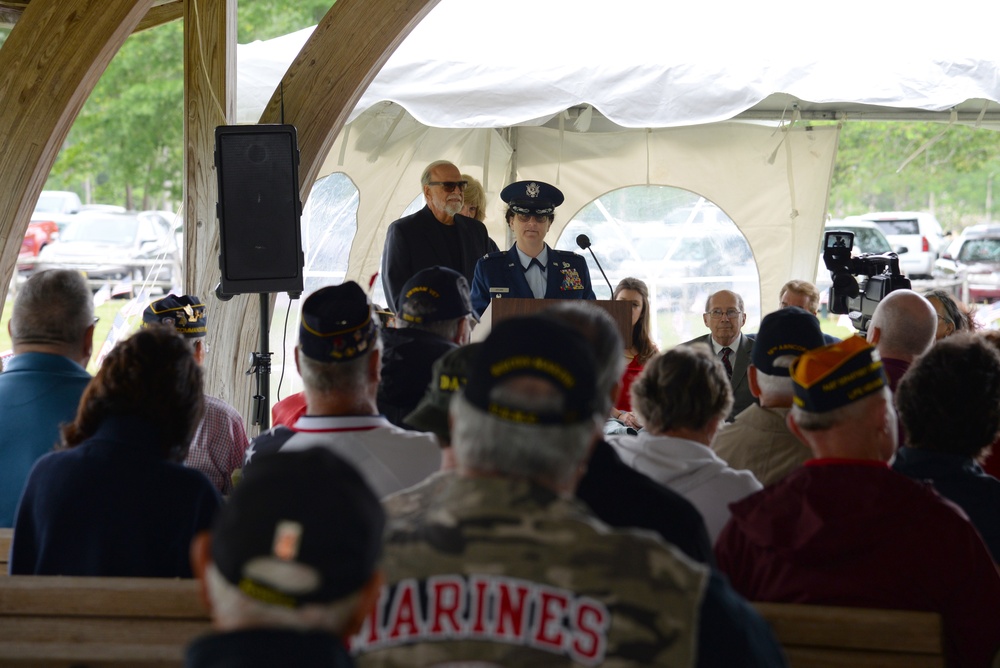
[
  {"x": 635, "y": 292},
  {"x": 475, "y": 199}
]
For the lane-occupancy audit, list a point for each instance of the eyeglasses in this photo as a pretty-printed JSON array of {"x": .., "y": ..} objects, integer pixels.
[
  {"x": 717, "y": 313},
  {"x": 449, "y": 186},
  {"x": 528, "y": 217}
]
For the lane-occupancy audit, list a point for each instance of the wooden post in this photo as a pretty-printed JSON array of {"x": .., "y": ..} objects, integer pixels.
[
  {"x": 321, "y": 87},
  {"x": 209, "y": 100}
]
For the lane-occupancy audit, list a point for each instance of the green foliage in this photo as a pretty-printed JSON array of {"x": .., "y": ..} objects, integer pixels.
[
  {"x": 950, "y": 177},
  {"x": 126, "y": 146}
]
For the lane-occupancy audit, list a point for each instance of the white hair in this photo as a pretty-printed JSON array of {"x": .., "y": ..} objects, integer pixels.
[
  {"x": 549, "y": 453},
  {"x": 777, "y": 387},
  {"x": 346, "y": 377},
  {"x": 232, "y": 609}
]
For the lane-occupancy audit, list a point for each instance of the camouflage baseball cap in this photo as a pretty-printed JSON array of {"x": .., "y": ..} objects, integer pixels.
[
  {"x": 541, "y": 348},
  {"x": 449, "y": 374}
]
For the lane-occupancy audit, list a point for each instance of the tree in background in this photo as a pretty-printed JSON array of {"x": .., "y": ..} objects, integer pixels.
[
  {"x": 952, "y": 176},
  {"x": 126, "y": 146}
]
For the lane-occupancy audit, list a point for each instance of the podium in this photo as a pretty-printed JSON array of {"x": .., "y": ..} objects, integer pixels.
[{"x": 509, "y": 307}]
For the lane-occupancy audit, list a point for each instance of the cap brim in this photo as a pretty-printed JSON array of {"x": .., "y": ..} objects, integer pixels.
[{"x": 429, "y": 417}]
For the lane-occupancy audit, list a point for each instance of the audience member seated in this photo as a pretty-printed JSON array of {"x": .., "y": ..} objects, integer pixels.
[
  {"x": 339, "y": 357},
  {"x": 289, "y": 410},
  {"x": 950, "y": 318},
  {"x": 52, "y": 333},
  {"x": 220, "y": 442},
  {"x": 290, "y": 569},
  {"x": 901, "y": 329},
  {"x": 118, "y": 500},
  {"x": 635, "y": 292},
  {"x": 503, "y": 542},
  {"x": 618, "y": 494},
  {"x": 847, "y": 530},
  {"x": 804, "y": 295},
  {"x": 434, "y": 317},
  {"x": 682, "y": 396},
  {"x": 989, "y": 459},
  {"x": 759, "y": 439},
  {"x": 949, "y": 401},
  {"x": 725, "y": 316}
]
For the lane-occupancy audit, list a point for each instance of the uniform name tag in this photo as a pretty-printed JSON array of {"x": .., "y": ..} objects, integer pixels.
[{"x": 494, "y": 291}]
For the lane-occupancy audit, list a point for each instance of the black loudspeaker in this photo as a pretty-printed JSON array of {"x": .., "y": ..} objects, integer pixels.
[{"x": 259, "y": 209}]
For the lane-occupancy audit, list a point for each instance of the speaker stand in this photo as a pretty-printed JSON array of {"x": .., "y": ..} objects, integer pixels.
[{"x": 260, "y": 367}]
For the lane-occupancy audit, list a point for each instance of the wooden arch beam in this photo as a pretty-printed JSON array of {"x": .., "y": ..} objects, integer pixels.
[
  {"x": 320, "y": 89},
  {"x": 49, "y": 65}
]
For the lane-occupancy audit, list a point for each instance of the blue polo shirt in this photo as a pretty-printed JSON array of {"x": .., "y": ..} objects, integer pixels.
[{"x": 38, "y": 393}]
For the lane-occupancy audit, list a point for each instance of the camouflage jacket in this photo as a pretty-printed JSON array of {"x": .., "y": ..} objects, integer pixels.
[{"x": 504, "y": 572}]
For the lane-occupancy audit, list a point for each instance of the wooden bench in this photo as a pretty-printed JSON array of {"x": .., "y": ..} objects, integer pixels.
[
  {"x": 815, "y": 636},
  {"x": 147, "y": 622},
  {"x": 6, "y": 536},
  {"x": 56, "y": 621}
]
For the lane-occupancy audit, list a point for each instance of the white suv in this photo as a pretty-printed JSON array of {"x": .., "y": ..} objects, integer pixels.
[{"x": 918, "y": 231}]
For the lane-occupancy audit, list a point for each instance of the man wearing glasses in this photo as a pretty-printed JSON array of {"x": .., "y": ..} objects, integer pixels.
[
  {"x": 437, "y": 235},
  {"x": 725, "y": 316},
  {"x": 530, "y": 269}
]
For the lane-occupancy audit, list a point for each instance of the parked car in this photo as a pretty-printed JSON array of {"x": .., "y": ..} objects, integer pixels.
[
  {"x": 868, "y": 238},
  {"x": 58, "y": 201},
  {"x": 975, "y": 256},
  {"x": 115, "y": 246},
  {"x": 40, "y": 233},
  {"x": 919, "y": 231}
]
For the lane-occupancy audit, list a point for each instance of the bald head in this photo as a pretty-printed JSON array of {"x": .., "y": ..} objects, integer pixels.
[{"x": 903, "y": 325}]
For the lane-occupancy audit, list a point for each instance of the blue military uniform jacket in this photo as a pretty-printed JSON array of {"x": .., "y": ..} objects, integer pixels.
[{"x": 501, "y": 274}]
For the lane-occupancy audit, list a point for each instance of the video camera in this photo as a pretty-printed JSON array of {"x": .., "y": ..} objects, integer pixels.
[{"x": 846, "y": 296}]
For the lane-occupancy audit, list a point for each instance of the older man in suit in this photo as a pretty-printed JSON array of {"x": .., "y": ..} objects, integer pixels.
[{"x": 725, "y": 316}]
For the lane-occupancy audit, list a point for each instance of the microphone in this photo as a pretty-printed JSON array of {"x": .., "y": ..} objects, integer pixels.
[{"x": 583, "y": 241}]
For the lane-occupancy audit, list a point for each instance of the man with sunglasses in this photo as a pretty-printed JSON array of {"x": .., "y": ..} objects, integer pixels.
[
  {"x": 530, "y": 269},
  {"x": 437, "y": 235}
]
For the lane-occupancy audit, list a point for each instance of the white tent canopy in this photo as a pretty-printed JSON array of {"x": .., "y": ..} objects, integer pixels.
[{"x": 594, "y": 100}]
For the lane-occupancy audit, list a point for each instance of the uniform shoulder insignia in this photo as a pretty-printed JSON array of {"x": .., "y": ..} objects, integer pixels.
[{"x": 494, "y": 254}]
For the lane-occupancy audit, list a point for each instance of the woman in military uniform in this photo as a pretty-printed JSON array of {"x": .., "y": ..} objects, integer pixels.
[{"x": 530, "y": 269}]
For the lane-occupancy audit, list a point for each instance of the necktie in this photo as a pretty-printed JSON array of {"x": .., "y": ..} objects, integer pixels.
[
  {"x": 725, "y": 361},
  {"x": 535, "y": 263}
]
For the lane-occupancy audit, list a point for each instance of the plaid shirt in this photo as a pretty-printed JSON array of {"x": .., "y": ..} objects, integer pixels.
[{"x": 219, "y": 444}]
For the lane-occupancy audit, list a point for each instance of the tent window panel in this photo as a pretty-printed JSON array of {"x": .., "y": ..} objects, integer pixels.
[{"x": 683, "y": 246}]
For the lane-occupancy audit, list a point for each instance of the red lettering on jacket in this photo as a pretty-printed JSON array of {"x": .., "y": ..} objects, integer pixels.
[
  {"x": 512, "y": 609},
  {"x": 550, "y": 616},
  {"x": 446, "y": 595},
  {"x": 403, "y": 621},
  {"x": 592, "y": 620},
  {"x": 479, "y": 593}
]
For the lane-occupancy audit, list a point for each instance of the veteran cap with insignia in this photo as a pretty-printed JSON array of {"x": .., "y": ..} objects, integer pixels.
[
  {"x": 337, "y": 324},
  {"x": 301, "y": 527},
  {"x": 540, "y": 348},
  {"x": 449, "y": 374},
  {"x": 186, "y": 314},
  {"x": 433, "y": 295},
  {"x": 788, "y": 331},
  {"x": 532, "y": 197},
  {"x": 833, "y": 376}
]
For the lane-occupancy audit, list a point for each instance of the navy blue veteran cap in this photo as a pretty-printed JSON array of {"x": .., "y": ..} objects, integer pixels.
[
  {"x": 832, "y": 376},
  {"x": 540, "y": 348},
  {"x": 788, "y": 331},
  {"x": 186, "y": 314},
  {"x": 434, "y": 294},
  {"x": 532, "y": 197},
  {"x": 337, "y": 324},
  {"x": 301, "y": 527}
]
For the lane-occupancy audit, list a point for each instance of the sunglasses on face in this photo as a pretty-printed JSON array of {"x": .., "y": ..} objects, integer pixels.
[{"x": 449, "y": 186}]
